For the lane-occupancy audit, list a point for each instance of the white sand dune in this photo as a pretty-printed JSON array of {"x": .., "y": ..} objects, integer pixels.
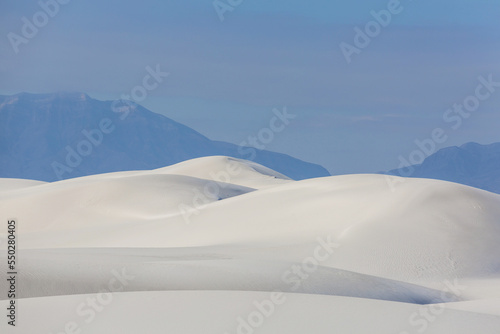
[
  {"x": 8, "y": 185},
  {"x": 236, "y": 312},
  {"x": 235, "y": 231},
  {"x": 228, "y": 170},
  {"x": 51, "y": 272}
]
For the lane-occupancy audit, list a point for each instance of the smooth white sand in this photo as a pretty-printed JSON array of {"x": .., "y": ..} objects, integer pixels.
[{"x": 398, "y": 242}]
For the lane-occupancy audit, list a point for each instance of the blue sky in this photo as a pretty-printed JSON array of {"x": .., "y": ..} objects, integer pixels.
[{"x": 226, "y": 77}]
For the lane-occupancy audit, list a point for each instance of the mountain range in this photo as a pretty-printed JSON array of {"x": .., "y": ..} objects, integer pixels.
[
  {"x": 50, "y": 137},
  {"x": 471, "y": 164}
]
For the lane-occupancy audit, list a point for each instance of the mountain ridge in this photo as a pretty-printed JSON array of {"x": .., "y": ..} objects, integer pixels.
[
  {"x": 62, "y": 135},
  {"x": 471, "y": 164}
]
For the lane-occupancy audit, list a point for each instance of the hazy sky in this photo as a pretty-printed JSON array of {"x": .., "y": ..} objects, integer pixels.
[{"x": 227, "y": 76}]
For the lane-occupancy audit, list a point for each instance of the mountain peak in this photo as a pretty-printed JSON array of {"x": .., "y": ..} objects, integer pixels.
[{"x": 63, "y": 135}]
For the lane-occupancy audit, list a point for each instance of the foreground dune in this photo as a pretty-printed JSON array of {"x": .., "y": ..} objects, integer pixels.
[{"x": 242, "y": 312}]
